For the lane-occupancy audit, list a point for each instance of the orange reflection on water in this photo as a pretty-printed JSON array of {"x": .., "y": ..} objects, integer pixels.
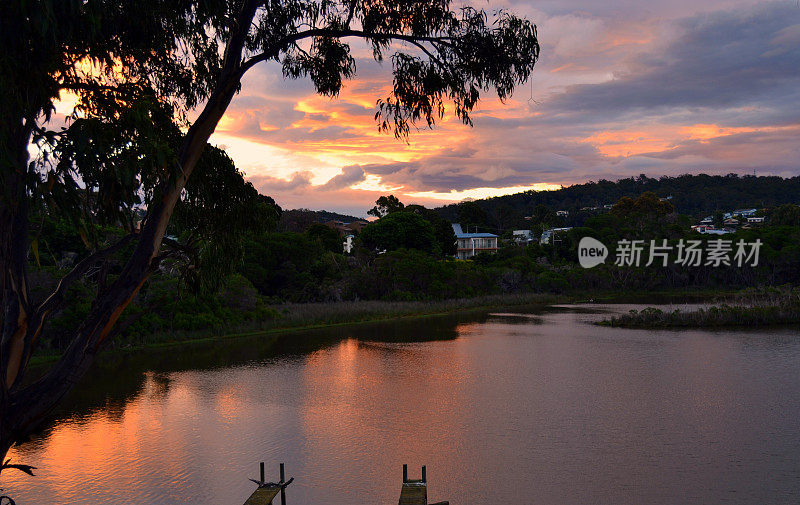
[
  {"x": 115, "y": 442},
  {"x": 403, "y": 391}
]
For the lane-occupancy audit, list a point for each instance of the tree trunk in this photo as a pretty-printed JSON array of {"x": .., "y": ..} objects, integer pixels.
[
  {"x": 22, "y": 409},
  {"x": 13, "y": 272}
]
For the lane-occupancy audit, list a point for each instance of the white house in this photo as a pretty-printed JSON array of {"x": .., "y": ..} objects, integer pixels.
[
  {"x": 755, "y": 220},
  {"x": 710, "y": 230},
  {"x": 347, "y": 245},
  {"x": 523, "y": 236},
  {"x": 470, "y": 244},
  {"x": 547, "y": 235}
]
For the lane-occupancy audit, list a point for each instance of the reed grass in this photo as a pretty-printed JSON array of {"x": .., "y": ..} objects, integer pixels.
[
  {"x": 292, "y": 315},
  {"x": 751, "y": 307}
]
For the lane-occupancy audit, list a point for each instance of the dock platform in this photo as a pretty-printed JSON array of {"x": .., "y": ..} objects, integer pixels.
[
  {"x": 263, "y": 496},
  {"x": 267, "y": 491},
  {"x": 415, "y": 492}
]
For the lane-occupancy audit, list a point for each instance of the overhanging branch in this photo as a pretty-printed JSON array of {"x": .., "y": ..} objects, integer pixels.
[
  {"x": 79, "y": 270},
  {"x": 276, "y": 48}
]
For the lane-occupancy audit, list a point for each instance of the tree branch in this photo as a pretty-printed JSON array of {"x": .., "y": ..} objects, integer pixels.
[
  {"x": 57, "y": 297},
  {"x": 277, "y": 47},
  {"x": 85, "y": 86},
  {"x": 351, "y": 13},
  {"x": 233, "y": 50},
  {"x": 22, "y": 468},
  {"x": 16, "y": 366},
  {"x": 430, "y": 55}
]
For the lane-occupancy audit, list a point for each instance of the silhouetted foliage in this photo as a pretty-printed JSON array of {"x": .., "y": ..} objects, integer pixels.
[
  {"x": 386, "y": 205},
  {"x": 442, "y": 229},
  {"x": 471, "y": 215},
  {"x": 694, "y": 195},
  {"x": 327, "y": 236},
  {"x": 298, "y": 220},
  {"x": 785, "y": 215},
  {"x": 400, "y": 230}
]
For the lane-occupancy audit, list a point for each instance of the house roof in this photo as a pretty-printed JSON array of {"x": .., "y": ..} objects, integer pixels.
[
  {"x": 460, "y": 233},
  {"x": 475, "y": 235}
]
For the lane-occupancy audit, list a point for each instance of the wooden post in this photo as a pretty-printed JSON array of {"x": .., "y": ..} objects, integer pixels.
[
  {"x": 413, "y": 492},
  {"x": 424, "y": 477},
  {"x": 266, "y": 492},
  {"x": 283, "y": 489}
]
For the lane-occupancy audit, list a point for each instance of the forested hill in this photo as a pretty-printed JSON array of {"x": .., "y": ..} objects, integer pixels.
[
  {"x": 300, "y": 219},
  {"x": 691, "y": 194}
]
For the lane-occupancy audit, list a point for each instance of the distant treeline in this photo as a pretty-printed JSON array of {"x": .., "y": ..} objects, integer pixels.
[
  {"x": 300, "y": 219},
  {"x": 399, "y": 257},
  {"x": 693, "y": 195}
]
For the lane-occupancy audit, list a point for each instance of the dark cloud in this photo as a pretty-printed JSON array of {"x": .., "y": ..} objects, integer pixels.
[
  {"x": 307, "y": 134},
  {"x": 747, "y": 150},
  {"x": 445, "y": 173},
  {"x": 718, "y": 60},
  {"x": 350, "y": 175},
  {"x": 273, "y": 185},
  {"x": 611, "y": 74}
]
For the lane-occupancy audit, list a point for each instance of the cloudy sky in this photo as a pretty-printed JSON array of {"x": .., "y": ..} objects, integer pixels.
[{"x": 623, "y": 87}]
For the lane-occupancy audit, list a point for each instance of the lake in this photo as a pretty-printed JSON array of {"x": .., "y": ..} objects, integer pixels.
[{"x": 536, "y": 406}]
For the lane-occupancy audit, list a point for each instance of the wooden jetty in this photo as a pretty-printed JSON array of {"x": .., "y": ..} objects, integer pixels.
[
  {"x": 415, "y": 492},
  {"x": 267, "y": 491}
]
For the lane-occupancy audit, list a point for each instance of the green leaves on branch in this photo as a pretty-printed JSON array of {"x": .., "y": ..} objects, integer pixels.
[
  {"x": 327, "y": 63},
  {"x": 386, "y": 205},
  {"x": 455, "y": 63},
  {"x": 400, "y": 230},
  {"x": 441, "y": 56},
  {"x": 218, "y": 210}
]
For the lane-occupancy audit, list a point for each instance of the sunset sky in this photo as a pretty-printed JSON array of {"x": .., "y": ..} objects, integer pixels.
[{"x": 623, "y": 87}]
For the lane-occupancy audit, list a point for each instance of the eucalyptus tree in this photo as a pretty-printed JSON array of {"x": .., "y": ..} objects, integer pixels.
[
  {"x": 141, "y": 70},
  {"x": 386, "y": 205}
]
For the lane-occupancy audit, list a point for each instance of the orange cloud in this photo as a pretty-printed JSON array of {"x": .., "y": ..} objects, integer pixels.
[
  {"x": 662, "y": 138},
  {"x": 477, "y": 193},
  {"x": 705, "y": 132},
  {"x": 624, "y": 143}
]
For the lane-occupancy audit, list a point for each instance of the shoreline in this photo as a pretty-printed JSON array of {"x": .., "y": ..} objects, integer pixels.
[
  {"x": 765, "y": 308},
  {"x": 436, "y": 309},
  {"x": 378, "y": 311}
]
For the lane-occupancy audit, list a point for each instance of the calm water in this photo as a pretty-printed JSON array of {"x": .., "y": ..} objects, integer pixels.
[{"x": 503, "y": 409}]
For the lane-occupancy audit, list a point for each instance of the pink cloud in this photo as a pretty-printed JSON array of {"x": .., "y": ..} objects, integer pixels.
[{"x": 622, "y": 88}]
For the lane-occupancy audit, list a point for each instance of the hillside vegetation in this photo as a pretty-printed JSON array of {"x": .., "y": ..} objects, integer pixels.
[{"x": 692, "y": 195}]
